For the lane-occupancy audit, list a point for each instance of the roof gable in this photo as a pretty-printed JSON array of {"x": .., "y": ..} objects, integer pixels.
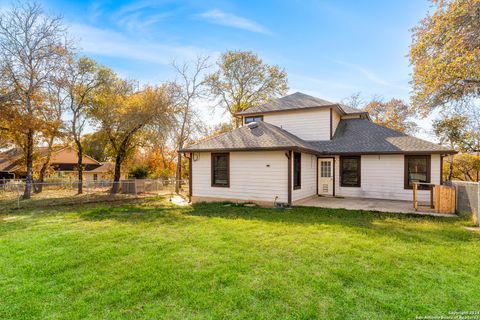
[
  {"x": 298, "y": 101},
  {"x": 260, "y": 136}
]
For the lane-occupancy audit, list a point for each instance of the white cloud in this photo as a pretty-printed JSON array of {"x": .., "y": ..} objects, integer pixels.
[
  {"x": 370, "y": 75},
  {"x": 113, "y": 44},
  {"x": 228, "y": 19}
]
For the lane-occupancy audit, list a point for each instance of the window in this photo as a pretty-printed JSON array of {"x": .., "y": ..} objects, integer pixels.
[
  {"x": 297, "y": 170},
  {"x": 95, "y": 177},
  {"x": 221, "y": 170},
  {"x": 253, "y": 119},
  {"x": 326, "y": 169},
  {"x": 417, "y": 169},
  {"x": 350, "y": 171}
]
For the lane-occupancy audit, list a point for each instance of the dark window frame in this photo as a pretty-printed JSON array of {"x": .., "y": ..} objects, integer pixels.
[
  {"x": 359, "y": 160},
  {"x": 298, "y": 179},
  {"x": 406, "y": 184},
  {"x": 212, "y": 165},
  {"x": 253, "y": 119}
]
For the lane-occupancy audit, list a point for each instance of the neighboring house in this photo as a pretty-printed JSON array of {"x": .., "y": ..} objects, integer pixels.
[
  {"x": 300, "y": 146},
  {"x": 63, "y": 163}
]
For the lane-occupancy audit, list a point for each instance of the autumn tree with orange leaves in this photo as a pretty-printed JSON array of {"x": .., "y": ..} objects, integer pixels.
[
  {"x": 32, "y": 49},
  {"x": 445, "y": 54}
]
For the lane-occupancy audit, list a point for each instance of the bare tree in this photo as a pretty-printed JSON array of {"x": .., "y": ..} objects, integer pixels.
[
  {"x": 32, "y": 48},
  {"x": 188, "y": 88}
]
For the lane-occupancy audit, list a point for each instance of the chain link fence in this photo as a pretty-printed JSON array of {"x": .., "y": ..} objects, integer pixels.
[{"x": 66, "y": 192}]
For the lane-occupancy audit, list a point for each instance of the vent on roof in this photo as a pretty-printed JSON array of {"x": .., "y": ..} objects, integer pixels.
[{"x": 252, "y": 125}]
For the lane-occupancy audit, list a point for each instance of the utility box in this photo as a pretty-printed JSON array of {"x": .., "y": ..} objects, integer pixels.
[{"x": 133, "y": 186}]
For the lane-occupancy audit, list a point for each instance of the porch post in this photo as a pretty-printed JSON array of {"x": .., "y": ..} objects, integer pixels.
[{"x": 190, "y": 178}]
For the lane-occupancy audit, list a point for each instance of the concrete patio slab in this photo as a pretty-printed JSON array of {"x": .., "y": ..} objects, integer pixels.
[{"x": 368, "y": 205}]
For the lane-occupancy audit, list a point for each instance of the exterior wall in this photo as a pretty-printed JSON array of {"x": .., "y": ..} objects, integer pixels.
[
  {"x": 335, "y": 121},
  {"x": 88, "y": 176},
  {"x": 382, "y": 177},
  {"x": 254, "y": 176},
  {"x": 306, "y": 124},
  {"x": 308, "y": 178}
]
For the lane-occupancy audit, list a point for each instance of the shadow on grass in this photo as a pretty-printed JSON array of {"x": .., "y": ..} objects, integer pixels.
[
  {"x": 404, "y": 227},
  {"x": 408, "y": 228}
]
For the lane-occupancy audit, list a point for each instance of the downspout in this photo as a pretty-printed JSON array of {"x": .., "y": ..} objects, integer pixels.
[{"x": 289, "y": 174}]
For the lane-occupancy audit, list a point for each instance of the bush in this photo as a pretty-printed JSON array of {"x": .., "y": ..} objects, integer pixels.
[{"x": 139, "y": 172}]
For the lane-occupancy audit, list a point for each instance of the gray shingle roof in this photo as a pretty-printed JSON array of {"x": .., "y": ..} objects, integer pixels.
[
  {"x": 363, "y": 136},
  {"x": 296, "y": 101},
  {"x": 264, "y": 136},
  {"x": 353, "y": 136}
]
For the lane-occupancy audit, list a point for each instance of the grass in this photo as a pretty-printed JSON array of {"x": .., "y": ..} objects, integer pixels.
[{"x": 150, "y": 259}]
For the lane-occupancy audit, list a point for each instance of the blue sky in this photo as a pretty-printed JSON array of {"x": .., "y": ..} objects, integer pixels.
[{"x": 330, "y": 49}]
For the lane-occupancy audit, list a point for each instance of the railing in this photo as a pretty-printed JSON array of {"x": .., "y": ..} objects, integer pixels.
[{"x": 66, "y": 192}]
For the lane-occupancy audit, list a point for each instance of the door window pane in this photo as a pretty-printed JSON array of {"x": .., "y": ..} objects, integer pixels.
[{"x": 325, "y": 169}]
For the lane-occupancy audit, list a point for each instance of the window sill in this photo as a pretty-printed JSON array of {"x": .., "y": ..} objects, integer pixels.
[
  {"x": 349, "y": 186},
  {"x": 220, "y": 186},
  {"x": 297, "y": 188}
]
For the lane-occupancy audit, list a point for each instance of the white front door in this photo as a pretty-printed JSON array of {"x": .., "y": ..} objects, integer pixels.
[{"x": 325, "y": 176}]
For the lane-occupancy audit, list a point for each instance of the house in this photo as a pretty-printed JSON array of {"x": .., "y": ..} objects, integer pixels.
[
  {"x": 63, "y": 163},
  {"x": 299, "y": 146}
]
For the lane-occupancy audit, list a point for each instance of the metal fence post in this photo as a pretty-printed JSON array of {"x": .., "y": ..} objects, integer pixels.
[
  {"x": 478, "y": 204},
  {"x": 18, "y": 197}
]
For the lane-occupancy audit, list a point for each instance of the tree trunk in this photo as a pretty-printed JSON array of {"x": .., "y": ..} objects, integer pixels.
[
  {"x": 450, "y": 169},
  {"x": 478, "y": 171},
  {"x": 117, "y": 173},
  {"x": 79, "y": 166},
  {"x": 29, "y": 159},
  {"x": 46, "y": 164},
  {"x": 41, "y": 177},
  {"x": 178, "y": 173}
]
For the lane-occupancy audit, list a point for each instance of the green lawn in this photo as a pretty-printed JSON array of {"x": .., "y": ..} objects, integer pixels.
[{"x": 153, "y": 260}]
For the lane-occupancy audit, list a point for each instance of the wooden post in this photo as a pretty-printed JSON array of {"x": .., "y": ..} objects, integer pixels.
[
  {"x": 415, "y": 204},
  {"x": 431, "y": 197}
]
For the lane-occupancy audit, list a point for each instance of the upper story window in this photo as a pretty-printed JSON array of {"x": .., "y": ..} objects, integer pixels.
[
  {"x": 417, "y": 169},
  {"x": 297, "y": 170},
  {"x": 253, "y": 119},
  {"x": 221, "y": 170},
  {"x": 350, "y": 171}
]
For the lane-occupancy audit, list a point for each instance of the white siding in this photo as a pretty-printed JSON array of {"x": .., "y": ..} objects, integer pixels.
[
  {"x": 382, "y": 177},
  {"x": 308, "y": 178},
  {"x": 260, "y": 176},
  {"x": 335, "y": 121},
  {"x": 306, "y": 124}
]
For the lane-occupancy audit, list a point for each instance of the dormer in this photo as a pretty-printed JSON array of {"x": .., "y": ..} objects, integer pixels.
[{"x": 307, "y": 117}]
